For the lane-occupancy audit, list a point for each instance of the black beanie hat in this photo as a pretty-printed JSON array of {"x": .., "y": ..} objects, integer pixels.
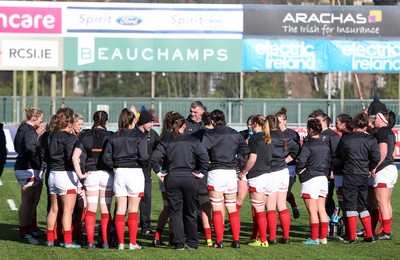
[{"x": 145, "y": 117}]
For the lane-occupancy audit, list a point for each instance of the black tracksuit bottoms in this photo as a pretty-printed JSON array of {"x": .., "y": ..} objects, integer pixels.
[
  {"x": 145, "y": 202},
  {"x": 355, "y": 192},
  {"x": 183, "y": 201}
]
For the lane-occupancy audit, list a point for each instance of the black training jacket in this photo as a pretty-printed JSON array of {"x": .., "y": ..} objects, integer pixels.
[
  {"x": 226, "y": 148},
  {"x": 296, "y": 138},
  {"x": 278, "y": 150},
  {"x": 28, "y": 149},
  {"x": 315, "y": 157},
  {"x": 358, "y": 152},
  {"x": 180, "y": 154},
  {"x": 126, "y": 149},
  {"x": 61, "y": 145},
  {"x": 92, "y": 143},
  {"x": 332, "y": 138}
]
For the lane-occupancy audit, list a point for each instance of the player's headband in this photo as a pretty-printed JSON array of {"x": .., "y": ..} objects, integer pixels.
[{"x": 382, "y": 117}]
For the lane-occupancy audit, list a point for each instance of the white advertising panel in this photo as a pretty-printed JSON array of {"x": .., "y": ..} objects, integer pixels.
[
  {"x": 155, "y": 20},
  {"x": 35, "y": 53}
]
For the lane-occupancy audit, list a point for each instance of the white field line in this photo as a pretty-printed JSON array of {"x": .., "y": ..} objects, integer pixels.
[
  {"x": 1, "y": 183},
  {"x": 12, "y": 204}
]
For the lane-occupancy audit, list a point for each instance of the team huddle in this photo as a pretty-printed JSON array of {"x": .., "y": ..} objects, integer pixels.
[{"x": 204, "y": 167}]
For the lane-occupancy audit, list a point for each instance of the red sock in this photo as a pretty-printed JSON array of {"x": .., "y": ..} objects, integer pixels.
[
  {"x": 284, "y": 216},
  {"x": 218, "y": 222},
  {"x": 234, "y": 220},
  {"x": 272, "y": 221},
  {"x": 290, "y": 198},
  {"x": 83, "y": 213},
  {"x": 105, "y": 224},
  {"x": 68, "y": 236},
  {"x": 314, "y": 230},
  {"x": 254, "y": 233},
  {"x": 262, "y": 224},
  {"x": 374, "y": 218},
  {"x": 324, "y": 229},
  {"x": 366, "y": 221},
  {"x": 133, "y": 221},
  {"x": 387, "y": 225},
  {"x": 158, "y": 234},
  {"x": 207, "y": 233},
  {"x": 90, "y": 224},
  {"x": 238, "y": 207},
  {"x": 50, "y": 235},
  {"x": 352, "y": 227},
  {"x": 120, "y": 227}
]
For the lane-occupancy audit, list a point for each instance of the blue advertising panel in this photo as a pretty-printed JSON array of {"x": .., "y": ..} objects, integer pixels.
[{"x": 284, "y": 55}]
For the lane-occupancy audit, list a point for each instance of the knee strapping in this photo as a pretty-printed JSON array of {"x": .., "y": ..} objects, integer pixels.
[
  {"x": 216, "y": 202},
  {"x": 230, "y": 203},
  {"x": 257, "y": 203},
  {"x": 92, "y": 199}
]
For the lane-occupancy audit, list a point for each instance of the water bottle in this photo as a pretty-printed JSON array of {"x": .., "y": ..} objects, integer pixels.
[{"x": 335, "y": 215}]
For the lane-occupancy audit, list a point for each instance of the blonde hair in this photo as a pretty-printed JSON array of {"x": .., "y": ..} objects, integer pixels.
[{"x": 32, "y": 112}]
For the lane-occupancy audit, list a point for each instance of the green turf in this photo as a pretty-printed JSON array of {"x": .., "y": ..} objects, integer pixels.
[{"x": 13, "y": 248}]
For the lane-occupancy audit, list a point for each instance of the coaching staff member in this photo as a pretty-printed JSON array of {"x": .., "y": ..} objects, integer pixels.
[
  {"x": 359, "y": 153},
  {"x": 179, "y": 155}
]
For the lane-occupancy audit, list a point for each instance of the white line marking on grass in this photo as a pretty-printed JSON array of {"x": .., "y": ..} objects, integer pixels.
[
  {"x": 11, "y": 204},
  {"x": 1, "y": 183}
]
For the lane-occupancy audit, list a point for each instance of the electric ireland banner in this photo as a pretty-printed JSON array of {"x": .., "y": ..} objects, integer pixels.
[
  {"x": 321, "y": 56},
  {"x": 162, "y": 55}
]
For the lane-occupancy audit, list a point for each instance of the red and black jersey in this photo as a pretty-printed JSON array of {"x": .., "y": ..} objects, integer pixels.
[
  {"x": 263, "y": 151},
  {"x": 385, "y": 135},
  {"x": 296, "y": 138},
  {"x": 315, "y": 158},
  {"x": 126, "y": 149}
]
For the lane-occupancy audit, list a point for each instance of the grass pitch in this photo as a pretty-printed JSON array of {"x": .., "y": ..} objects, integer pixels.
[{"x": 12, "y": 247}]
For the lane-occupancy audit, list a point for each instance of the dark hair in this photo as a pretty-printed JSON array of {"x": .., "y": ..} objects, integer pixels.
[
  {"x": 206, "y": 118},
  {"x": 249, "y": 119},
  {"x": 261, "y": 121},
  {"x": 50, "y": 123},
  {"x": 314, "y": 125},
  {"x": 166, "y": 126},
  {"x": 100, "y": 118},
  {"x": 282, "y": 113},
  {"x": 218, "y": 117},
  {"x": 196, "y": 104},
  {"x": 65, "y": 117},
  {"x": 315, "y": 113},
  {"x": 177, "y": 121},
  {"x": 126, "y": 118},
  {"x": 346, "y": 120},
  {"x": 360, "y": 121}
]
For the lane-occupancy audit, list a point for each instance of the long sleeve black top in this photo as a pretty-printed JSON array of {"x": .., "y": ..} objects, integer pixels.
[
  {"x": 226, "y": 148},
  {"x": 179, "y": 155},
  {"x": 278, "y": 150},
  {"x": 27, "y": 146},
  {"x": 315, "y": 158},
  {"x": 61, "y": 146},
  {"x": 358, "y": 152},
  {"x": 126, "y": 149}
]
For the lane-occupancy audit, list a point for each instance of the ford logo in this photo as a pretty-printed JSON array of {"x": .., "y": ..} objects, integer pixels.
[{"x": 129, "y": 20}]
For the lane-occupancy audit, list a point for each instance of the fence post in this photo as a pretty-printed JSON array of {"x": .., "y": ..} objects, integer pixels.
[
  {"x": 229, "y": 112},
  {"x": 298, "y": 114}
]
